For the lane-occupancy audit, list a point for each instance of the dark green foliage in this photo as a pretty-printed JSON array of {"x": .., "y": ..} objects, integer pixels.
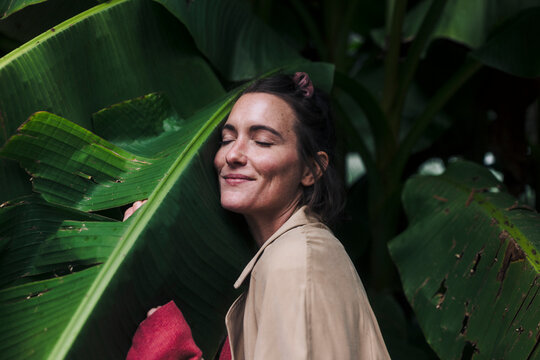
[
  {"x": 470, "y": 262},
  {"x": 142, "y": 84}
]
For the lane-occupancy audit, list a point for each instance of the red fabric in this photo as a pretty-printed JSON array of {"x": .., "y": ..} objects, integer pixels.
[
  {"x": 164, "y": 335},
  {"x": 226, "y": 351}
]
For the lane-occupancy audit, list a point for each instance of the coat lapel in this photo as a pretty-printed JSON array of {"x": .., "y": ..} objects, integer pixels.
[{"x": 299, "y": 218}]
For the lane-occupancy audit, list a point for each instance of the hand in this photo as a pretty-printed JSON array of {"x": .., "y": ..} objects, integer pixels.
[
  {"x": 151, "y": 311},
  {"x": 225, "y": 352},
  {"x": 133, "y": 208}
]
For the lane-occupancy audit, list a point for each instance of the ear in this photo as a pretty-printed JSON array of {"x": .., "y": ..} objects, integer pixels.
[{"x": 308, "y": 177}]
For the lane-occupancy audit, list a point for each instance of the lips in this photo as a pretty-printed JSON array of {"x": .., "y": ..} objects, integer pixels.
[{"x": 235, "y": 179}]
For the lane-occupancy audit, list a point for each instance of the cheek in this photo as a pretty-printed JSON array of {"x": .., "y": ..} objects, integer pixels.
[{"x": 282, "y": 171}]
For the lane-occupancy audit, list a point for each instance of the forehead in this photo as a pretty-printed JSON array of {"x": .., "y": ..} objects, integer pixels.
[{"x": 262, "y": 109}]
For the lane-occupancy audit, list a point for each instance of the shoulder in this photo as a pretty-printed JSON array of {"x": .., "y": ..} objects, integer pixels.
[
  {"x": 308, "y": 247},
  {"x": 297, "y": 242},
  {"x": 287, "y": 253}
]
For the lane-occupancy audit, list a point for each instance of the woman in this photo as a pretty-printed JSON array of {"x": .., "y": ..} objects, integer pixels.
[{"x": 304, "y": 299}]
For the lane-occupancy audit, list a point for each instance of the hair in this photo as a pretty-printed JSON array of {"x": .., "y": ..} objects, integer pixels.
[{"x": 315, "y": 131}]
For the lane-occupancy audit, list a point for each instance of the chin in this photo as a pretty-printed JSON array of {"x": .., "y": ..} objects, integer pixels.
[{"x": 233, "y": 205}]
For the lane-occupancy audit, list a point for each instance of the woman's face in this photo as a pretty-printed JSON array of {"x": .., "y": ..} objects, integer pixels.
[{"x": 259, "y": 169}]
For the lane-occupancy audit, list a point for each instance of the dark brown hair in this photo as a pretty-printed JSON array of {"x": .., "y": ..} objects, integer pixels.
[{"x": 315, "y": 132}]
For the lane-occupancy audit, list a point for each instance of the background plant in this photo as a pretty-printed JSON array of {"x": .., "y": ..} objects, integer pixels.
[{"x": 417, "y": 83}]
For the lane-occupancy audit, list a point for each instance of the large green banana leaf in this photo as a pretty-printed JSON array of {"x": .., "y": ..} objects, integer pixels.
[
  {"x": 178, "y": 246},
  {"x": 509, "y": 49},
  {"x": 127, "y": 48},
  {"x": 112, "y": 52},
  {"x": 240, "y": 50},
  {"x": 470, "y": 264},
  {"x": 8, "y": 7}
]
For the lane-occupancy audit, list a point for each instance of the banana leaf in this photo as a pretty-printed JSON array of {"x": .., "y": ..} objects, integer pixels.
[
  {"x": 467, "y": 22},
  {"x": 469, "y": 263},
  {"x": 34, "y": 20},
  {"x": 127, "y": 48},
  {"x": 8, "y": 7},
  {"x": 112, "y": 52},
  {"x": 496, "y": 31},
  {"x": 240, "y": 49},
  {"x": 82, "y": 286},
  {"x": 509, "y": 49}
]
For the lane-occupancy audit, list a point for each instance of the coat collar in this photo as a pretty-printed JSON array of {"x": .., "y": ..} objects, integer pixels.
[{"x": 299, "y": 218}]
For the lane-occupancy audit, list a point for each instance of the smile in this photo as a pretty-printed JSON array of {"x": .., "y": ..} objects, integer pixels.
[{"x": 235, "y": 179}]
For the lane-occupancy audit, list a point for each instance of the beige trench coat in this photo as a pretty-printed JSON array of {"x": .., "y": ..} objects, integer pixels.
[{"x": 304, "y": 300}]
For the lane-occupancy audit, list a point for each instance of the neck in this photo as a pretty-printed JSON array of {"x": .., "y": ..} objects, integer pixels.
[{"x": 262, "y": 226}]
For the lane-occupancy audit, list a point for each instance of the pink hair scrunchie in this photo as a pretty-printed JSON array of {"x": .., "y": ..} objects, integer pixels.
[{"x": 304, "y": 83}]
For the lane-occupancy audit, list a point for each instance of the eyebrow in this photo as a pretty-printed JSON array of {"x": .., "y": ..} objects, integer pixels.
[{"x": 255, "y": 128}]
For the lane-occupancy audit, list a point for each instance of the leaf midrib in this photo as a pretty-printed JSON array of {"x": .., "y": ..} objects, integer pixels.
[{"x": 138, "y": 223}]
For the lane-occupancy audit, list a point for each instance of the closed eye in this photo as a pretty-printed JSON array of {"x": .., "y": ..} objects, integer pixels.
[{"x": 263, "y": 143}]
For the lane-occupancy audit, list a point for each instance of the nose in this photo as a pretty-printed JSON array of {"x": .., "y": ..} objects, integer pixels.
[{"x": 236, "y": 155}]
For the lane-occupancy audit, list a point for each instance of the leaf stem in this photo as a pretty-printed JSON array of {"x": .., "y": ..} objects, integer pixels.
[
  {"x": 468, "y": 69},
  {"x": 391, "y": 62},
  {"x": 341, "y": 17},
  {"x": 382, "y": 134},
  {"x": 413, "y": 57}
]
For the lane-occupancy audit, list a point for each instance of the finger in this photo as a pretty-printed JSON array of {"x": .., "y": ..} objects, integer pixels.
[
  {"x": 138, "y": 204},
  {"x": 152, "y": 310},
  {"x": 128, "y": 213}
]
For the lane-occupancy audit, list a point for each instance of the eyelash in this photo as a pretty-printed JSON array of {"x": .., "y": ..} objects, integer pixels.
[{"x": 260, "y": 143}]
